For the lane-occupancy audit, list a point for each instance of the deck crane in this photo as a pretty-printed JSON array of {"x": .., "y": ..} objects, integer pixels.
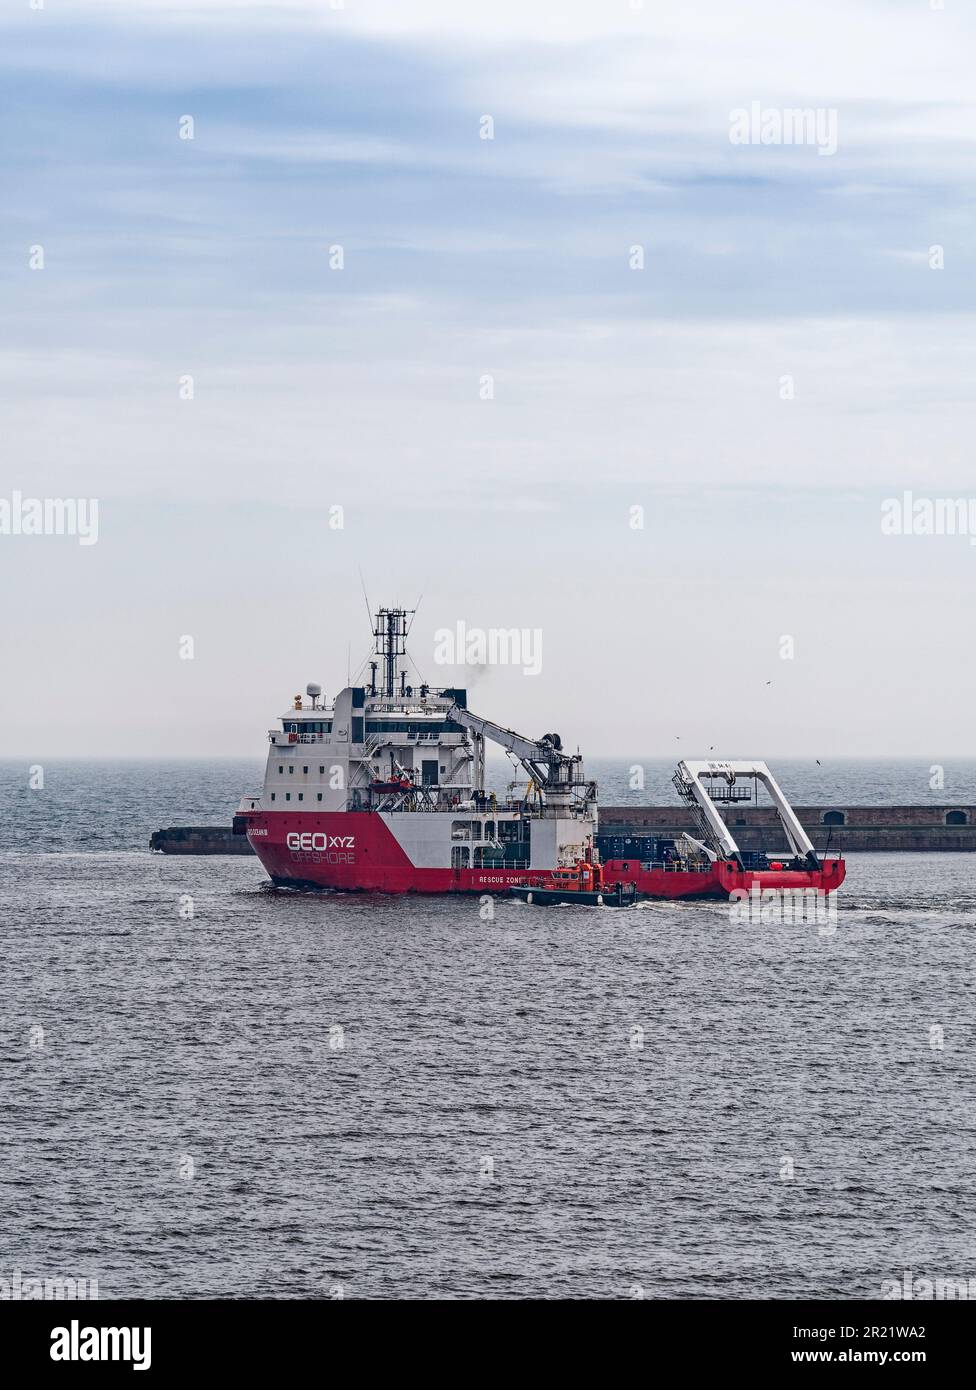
[{"x": 558, "y": 775}]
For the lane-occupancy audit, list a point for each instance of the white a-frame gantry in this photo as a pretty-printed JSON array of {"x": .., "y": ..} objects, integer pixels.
[{"x": 690, "y": 780}]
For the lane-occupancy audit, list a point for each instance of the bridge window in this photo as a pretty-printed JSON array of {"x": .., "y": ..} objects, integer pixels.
[
  {"x": 956, "y": 818},
  {"x": 415, "y": 728},
  {"x": 834, "y": 818}
]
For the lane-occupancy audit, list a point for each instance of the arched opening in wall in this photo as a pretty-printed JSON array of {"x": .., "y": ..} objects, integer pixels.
[
  {"x": 956, "y": 818},
  {"x": 834, "y": 818}
]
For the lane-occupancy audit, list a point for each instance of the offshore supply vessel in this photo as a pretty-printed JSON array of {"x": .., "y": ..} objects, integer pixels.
[{"x": 383, "y": 789}]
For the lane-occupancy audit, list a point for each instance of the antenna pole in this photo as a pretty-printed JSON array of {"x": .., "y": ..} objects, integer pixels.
[{"x": 369, "y": 610}]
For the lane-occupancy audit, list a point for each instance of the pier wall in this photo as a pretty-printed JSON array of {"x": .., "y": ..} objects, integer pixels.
[
  {"x": 199, "y": 839},
  {"x": 754, "y": 827},
  {"x": 863, "y": 827}
]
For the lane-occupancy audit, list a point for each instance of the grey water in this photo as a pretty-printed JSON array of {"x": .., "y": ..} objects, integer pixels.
[{"x": 314, "y": 1095}]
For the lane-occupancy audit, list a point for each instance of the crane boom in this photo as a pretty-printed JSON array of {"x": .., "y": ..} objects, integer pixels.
[
  {"x": 508, "y": 739},
  {"x": 558, "y": 776}
]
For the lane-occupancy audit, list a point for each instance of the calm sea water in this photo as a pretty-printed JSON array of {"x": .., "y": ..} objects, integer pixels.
[{"x": 398, "y": 1098}]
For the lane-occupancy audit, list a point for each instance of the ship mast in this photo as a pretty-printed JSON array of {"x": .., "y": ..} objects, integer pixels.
[{"x": 390, "y": 633}]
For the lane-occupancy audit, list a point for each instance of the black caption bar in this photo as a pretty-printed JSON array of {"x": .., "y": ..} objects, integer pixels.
[{"x": 165, "y": 1340}]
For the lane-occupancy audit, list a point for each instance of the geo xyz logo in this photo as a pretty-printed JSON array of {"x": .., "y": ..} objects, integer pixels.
[{"x": 310, "y": 840}]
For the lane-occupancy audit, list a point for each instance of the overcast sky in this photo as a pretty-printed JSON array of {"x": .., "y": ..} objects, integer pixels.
[{"x": 361, "y": 387}]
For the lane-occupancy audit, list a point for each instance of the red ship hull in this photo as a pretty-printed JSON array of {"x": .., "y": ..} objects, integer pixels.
[
  {"x": 374, "y": 861},
  {"x": 356, "y": 851}
]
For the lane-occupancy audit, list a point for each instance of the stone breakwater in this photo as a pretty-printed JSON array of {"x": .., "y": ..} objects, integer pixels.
[{"x": 846, "y": 827}]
